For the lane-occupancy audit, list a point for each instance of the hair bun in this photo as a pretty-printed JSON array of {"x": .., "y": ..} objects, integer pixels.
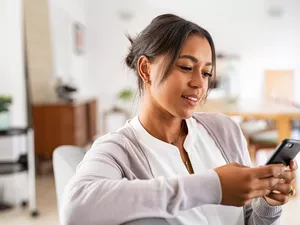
[
  {"x": 130, "y": 57},
  {"x": 129, "y": 60}
]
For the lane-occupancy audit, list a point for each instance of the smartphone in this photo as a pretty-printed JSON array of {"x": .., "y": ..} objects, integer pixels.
[{"x": 285, "y": 152}]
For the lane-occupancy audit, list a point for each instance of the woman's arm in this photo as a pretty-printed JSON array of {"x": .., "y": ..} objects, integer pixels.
[
  {"x": 99, "y": 194},
  {"x": 259, "y": 211}
]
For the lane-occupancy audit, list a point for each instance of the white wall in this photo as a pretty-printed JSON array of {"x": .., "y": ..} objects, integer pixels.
[
  {"x": 107, "y": 46},
  {"x": 68, "y": 65},
  {"x": 241, "y": 27}
]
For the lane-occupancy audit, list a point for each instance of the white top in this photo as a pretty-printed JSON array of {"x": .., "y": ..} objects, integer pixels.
[{"x": 165, "y": 160}]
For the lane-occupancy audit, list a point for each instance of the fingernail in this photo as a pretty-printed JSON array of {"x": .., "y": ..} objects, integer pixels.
[
  {"x": 293, "y": 192},
  {"x": 293, "y": 165}
]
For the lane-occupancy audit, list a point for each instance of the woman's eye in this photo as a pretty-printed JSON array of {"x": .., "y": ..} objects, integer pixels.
[
  {"x": 206, "y": 74},
  {"x": 186, "y": 68}
]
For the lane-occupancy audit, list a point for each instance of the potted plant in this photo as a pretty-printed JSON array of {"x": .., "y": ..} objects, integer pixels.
[
  {"x": 126, "y": 95},
  {"x": 5, "y": 102},
  {"x": 120, "y": 111}
]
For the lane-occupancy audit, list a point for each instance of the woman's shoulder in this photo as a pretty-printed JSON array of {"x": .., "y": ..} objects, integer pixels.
[
  {"x": 108, "y": 144},
  {"x": 215, "y": 119},
  {"x": 117, "y": 143},
  {"x": 218, "y": 124},
  {"x": 121, "y": 149},
  {"x": 228, "y": 133}
]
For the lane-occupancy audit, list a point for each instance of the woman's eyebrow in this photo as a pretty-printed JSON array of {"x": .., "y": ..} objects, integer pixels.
[
  {"x": 194, "y": 59},
  {"x": 189, "y": 57}
]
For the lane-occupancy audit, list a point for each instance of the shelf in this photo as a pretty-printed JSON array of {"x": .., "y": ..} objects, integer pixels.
[
  {"x": 4, "y": 206},
  {"x": 11, "y": 167},
  {"x": 13, "y": 131}
]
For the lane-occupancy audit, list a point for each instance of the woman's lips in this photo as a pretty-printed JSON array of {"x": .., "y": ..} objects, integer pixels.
[{"x": 191, "y": 101}]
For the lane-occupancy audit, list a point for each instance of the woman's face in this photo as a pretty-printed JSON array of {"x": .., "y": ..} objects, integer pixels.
[{"x": 187, "y": 83}]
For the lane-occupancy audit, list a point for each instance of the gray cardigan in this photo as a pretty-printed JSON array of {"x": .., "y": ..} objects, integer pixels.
[{"x": 114, "y": 183}]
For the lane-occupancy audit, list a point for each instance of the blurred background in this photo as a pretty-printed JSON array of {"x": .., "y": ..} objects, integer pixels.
[{"x": 63, "y": 81}]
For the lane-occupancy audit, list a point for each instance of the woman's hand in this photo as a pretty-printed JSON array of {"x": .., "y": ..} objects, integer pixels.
[
  {"x": 282, "y": 190},
  {"x": 240, "y": 184}
]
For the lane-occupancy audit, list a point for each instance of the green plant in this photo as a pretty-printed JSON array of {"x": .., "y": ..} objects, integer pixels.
[
  {"x": 5, "y": 102},
  {"x": 126, "y": 95}
]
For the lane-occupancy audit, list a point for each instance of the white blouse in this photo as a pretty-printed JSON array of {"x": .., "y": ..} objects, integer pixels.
[{"x": 165, "y": 160}]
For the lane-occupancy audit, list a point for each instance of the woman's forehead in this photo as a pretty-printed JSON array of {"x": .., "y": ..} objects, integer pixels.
[{"x": 198, "y": 48}]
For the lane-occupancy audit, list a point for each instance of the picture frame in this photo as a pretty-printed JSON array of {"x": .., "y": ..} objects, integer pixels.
[{"x": 79, "y": 38}]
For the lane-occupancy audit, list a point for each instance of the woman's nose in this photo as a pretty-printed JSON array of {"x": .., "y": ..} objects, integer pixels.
[{"x": 197, "y": 81}]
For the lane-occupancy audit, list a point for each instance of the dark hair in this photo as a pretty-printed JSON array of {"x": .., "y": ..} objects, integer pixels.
[{"x": 166, "y": 35}]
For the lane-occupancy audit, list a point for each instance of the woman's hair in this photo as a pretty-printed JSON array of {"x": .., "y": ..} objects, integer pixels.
[{"x": 166, "y": 34}]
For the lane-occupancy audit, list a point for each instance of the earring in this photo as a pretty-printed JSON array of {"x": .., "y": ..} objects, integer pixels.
[{"x": 147, "y": 81}]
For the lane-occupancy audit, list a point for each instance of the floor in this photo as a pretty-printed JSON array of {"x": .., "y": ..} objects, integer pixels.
[{"x": 46, "y": 202}]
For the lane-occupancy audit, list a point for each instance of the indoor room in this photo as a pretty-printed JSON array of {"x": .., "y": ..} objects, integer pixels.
[{"x": 71, "y": 80}]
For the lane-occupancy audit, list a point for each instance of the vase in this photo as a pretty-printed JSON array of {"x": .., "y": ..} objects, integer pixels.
[{"x": 4, "y": 120}]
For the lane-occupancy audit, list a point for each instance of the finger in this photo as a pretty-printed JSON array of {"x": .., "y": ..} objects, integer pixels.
[
  {"x": 279, "y": 197},
  {"x": 260, "y": 193},
  {"x": 293, "y": 165},
  {"x": 285, "y": 189},
  {"x": 268, "y": 171},
  {"x": 266, "y": 183},
  {"x": 289, "y": 176}
]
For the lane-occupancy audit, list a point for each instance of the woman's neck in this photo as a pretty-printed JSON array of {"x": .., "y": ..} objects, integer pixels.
[{"x": 161, "y": 125}]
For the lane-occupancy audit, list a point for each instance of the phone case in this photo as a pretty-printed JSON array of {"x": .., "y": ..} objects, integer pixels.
[{"x": 285, "y": 152}]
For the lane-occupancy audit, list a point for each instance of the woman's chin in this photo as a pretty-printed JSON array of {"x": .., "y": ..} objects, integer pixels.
[{"x": 186, "y": 114}]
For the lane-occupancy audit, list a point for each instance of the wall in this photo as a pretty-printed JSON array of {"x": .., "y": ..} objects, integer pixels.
[
  {"x": 107, "y": 47},
  {"x": 39, "y": 50},
  {"x": 241, "y": 27},
  {"x": 51, "y": 46},
  {"x": 68, "y": 65}
]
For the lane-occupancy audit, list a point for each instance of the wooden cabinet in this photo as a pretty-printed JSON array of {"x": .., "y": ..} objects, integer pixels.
[{"x": 58, "y": 124}]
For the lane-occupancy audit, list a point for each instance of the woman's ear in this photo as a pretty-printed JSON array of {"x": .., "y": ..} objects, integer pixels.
[{"x": 143, "y": 68}]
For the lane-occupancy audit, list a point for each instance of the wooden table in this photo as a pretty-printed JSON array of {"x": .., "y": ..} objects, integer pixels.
[{"x": 281, "y": 113}]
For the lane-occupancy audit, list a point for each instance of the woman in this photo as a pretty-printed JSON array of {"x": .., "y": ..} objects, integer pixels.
[{"x": 169, "y": 162}]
